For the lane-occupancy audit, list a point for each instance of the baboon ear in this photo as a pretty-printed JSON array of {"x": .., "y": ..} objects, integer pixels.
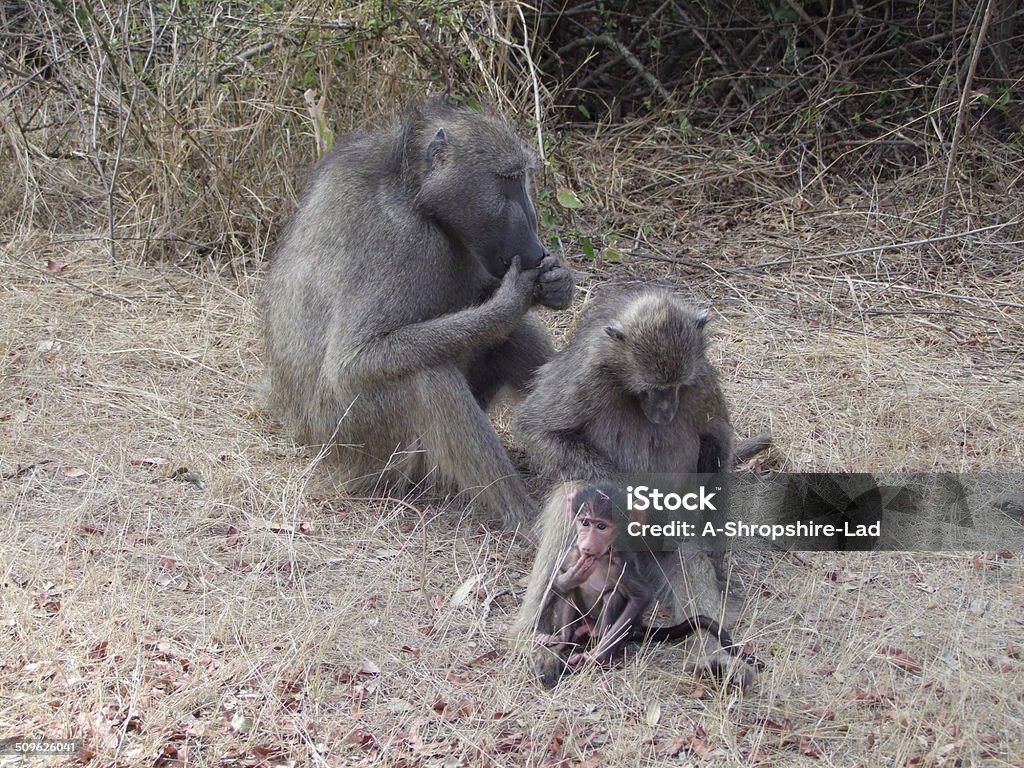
[
  {"x": 702, "y": 318},
  {"x": 615, "y": 331},
  {"x": 436, "y": 148}
]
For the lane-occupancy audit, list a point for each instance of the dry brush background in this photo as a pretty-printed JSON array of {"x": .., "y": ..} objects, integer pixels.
[{"x": 182, "y": 586}]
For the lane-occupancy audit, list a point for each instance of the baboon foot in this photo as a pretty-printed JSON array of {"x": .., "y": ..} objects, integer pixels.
[
  {"x": 726, "y": 670},
  {"x": 549, "y": 667}
]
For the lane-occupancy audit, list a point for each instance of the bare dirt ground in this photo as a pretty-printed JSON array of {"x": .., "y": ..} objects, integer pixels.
[{"x": 182, "y": 586}]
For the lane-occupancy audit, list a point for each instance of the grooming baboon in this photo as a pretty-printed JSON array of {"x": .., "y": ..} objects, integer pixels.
[
  {"x": 632, "y": 392},
  {"x": 601, "y": 590},
  {"x": 396, "y": 305}
]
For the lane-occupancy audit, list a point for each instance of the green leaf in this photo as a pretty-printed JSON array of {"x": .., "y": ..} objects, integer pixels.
[
  {"x": 583, "y": 110},
  {"x": 588, "y": 247},
  {"x": 611, "y": 253},
  {"x": 567, "y": 199}
]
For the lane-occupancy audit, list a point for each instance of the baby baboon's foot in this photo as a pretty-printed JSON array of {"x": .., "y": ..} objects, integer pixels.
[{"x": 548, "y": 666}]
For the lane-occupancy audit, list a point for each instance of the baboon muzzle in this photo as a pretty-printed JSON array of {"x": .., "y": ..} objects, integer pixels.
[
  {"x": 531, "y": 260},
  {"x": 660, "y": 408}
]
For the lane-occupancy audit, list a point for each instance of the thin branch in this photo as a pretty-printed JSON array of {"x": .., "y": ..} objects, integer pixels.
[
  {"x": 627, "y": 55},
  {"x": 965, "y": 97},
  {"x": 440, "y": 55},
  {"x": 982, "y": 300},
  {"x": 240, "y": 58},
  {"x": 888, "y": 247}
]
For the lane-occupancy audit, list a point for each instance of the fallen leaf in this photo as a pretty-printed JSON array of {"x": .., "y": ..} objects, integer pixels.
[
  {"x": 774, "y": 725},
  {"x": 72, "y": 471},
  {"x": 368, "y": 668},
  {"x": 98, "y": 652},
  {"x": 879, "y": 695},
  {"x": 696, "y": 744},
  {"x": 462, "y": 708},
  {"x": 900, "y": 658},
  {"x": 568, "y": 199},
  {"x": 468, "y": 586},
  {"x": 653, "y": 714},
  {"x": 363, "y": 738},
  {"x": 510, "y": 743},
  {"x": 673, "y": 747},
  {"x": 150, "y": 461},
  {"x": 556, "y": 746},
  {"x": 54, "y": 267},
  {"x": 485, "y": 657},
  {"x": 804, "y": 744},
  {"x": 241, "y": 723}
]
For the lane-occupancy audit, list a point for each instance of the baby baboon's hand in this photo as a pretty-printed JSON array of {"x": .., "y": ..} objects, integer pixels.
[
  {"x": 578, "y": 573},
  {"x": 518, "y": 286},
  {"x": 554, "y": 284}
]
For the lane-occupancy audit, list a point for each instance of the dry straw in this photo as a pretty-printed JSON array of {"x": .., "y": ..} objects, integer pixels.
[{"x": 181, "y": 585}]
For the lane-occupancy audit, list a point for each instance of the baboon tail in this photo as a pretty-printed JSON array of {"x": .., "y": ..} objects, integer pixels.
[
  {"x": 748, "y": 448},
  {"x": 687, "y": 627}
]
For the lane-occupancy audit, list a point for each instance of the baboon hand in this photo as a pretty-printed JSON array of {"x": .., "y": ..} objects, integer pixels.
[
  {"x": 518, "y": 286},
  {"x": 578, "y": 573},
  {"x": 554, "y": 284},
  {"x": 584, "y": 659}
]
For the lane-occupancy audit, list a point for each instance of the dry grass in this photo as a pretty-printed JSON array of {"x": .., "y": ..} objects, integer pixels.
[
  {"x": 181, "y": 586},
  {"x": 250, "y": 614}
]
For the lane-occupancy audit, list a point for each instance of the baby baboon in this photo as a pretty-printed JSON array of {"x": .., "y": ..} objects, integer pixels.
[
  {"x": 632, "y": 392},
  {"x": 396, "y": 305},
  {"x": 600, "y": 592}
]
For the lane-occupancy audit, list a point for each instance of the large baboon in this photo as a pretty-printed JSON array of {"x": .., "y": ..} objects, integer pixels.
[
  {"x": 396, "y": 305},
  {"x": 632, "y": 392}
]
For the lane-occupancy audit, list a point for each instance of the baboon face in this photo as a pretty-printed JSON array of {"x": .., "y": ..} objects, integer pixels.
[
  {"x": 660, "y": 346},
  {"x": 594, "y": 516},
  {"x": 660, "y": 404},
  {"x": 479, "y": 193}
]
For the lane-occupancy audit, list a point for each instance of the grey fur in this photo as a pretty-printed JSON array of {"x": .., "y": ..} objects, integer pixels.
[
  {"x": 584, "y": 420},
  {"x": 396, "y": 303}
]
